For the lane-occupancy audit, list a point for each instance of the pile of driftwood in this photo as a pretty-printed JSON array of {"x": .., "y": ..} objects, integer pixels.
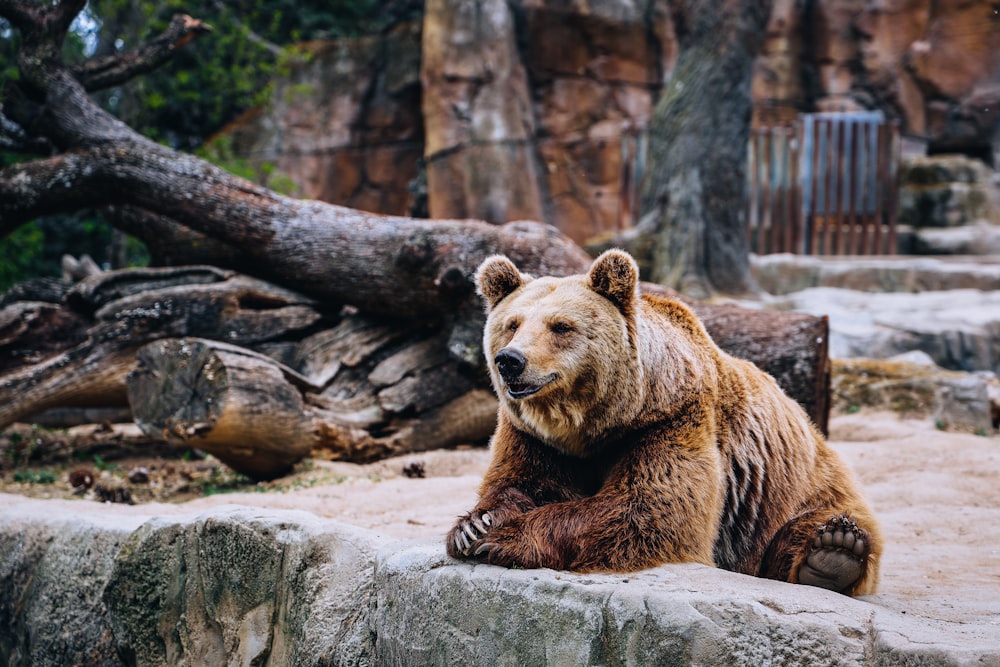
[{"x": 262, "y": 376}]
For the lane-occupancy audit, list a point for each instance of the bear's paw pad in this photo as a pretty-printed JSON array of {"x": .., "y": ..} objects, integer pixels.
[{"x": 837, "y": 559}]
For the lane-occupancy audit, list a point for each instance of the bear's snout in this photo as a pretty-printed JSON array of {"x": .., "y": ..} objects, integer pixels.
[{"x": 510, "y": 363}]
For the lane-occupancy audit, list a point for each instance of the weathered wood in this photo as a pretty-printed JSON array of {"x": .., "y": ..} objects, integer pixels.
[
  {"x": 242, "y": 409},
  {"x": 24, "y": 444},
  {"x": 219, "y": 305},
  {"x": 30, "y": 331},
  {"x": 236, "y": 406}
]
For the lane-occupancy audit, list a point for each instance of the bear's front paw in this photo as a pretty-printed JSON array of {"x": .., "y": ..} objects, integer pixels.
[
  {"x": 508, "y": 546},
  {"x": 466, "y": 534}
]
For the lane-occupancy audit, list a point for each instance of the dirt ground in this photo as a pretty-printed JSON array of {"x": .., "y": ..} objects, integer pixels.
[{"x": 937, "y": 495}]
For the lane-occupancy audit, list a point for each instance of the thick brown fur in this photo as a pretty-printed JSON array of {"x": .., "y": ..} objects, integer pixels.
[{"x": 627, "y": 439}]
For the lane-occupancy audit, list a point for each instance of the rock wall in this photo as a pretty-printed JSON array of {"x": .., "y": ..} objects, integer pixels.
[
  {"x": 513, "y": 109},
  {"x": 933, "y": 66},
  {"x": 243, "y": 586},
  {"x": 345, "y": 124}
]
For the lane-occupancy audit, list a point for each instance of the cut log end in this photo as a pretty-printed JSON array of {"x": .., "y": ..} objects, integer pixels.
[{"x": 238, "y": 407}]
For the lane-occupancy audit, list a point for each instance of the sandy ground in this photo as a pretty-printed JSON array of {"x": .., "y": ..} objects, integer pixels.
[{"x": 937, "y": 495}]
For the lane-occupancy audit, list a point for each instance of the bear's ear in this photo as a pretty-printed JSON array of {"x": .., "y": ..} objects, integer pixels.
[
  {"x": 496, "y": 278},
  {"x": 615, "y": 276}
]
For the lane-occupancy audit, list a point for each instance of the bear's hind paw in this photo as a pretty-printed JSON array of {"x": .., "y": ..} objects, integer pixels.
[{"x": 837, "y": 559}]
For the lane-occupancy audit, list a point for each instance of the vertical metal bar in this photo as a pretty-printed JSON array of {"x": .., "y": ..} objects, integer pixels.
[
  {"x": 864, "y": 183},
  {"x": 892, "y": 185},
  {"x": 774, "y": 240},
  {"x": 880, "y": 183},
  {"x": 812, "y": 214},
  {"x": 753, "y": 178},
  {"x": 837, "y": 248},
  {"x": 774, "y": 232},
  {"x": 794, "y": 190},
  {"x": 765, "y": 195},
  {"x": 780, "y": 214},
  {"x": 829, "y": 163},
  {"x": 851, "y": 162}
]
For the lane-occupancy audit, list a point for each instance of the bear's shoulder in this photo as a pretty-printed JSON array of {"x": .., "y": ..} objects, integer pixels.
[{"x": 676, "y": 313}]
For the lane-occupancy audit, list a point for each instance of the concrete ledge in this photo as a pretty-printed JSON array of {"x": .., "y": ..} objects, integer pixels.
[{"x": 249, "y": 586}]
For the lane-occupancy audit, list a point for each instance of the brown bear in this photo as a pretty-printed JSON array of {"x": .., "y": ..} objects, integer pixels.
[{"x": 627, "y": 439}]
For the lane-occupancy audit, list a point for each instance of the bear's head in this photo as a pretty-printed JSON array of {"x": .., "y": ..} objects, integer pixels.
[{"x": 562, "y": 352}]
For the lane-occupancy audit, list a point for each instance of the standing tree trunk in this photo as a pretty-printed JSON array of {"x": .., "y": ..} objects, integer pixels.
[{"x": 692, "y": 230}]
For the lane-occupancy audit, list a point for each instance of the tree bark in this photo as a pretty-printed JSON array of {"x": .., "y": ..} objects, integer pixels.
[
  {"x": 243, "y": 409},
  {"x": 28, "y": 445},
  {"x": 237, "y": 406},
  {"x": 131, "y": 308},
  {"x": 692, "y": 230}
]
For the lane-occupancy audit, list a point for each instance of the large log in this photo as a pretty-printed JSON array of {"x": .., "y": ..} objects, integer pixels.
[
  {"x": 255, "y": 416},
  {"x": 129, "y": 309},
  {"x": 226, "y": 401}
]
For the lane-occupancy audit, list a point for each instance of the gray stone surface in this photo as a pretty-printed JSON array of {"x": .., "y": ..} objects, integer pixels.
[
  {"x": 53, "y": 568},
  {"x": 979, "y": 238},
  {"x": 782, "y": 274},
  {"x": 244, "y": 586},
  {"x": 959, "y": 329},
  {"x": 953, "y": 400},
  {"x": 434, "y": 613},
  {"x": 944, "y": 191},
  {"x": 250, "y": 586}
]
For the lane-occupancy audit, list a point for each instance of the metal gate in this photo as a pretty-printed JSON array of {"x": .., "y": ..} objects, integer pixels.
[{"x": 824, "y": 185}]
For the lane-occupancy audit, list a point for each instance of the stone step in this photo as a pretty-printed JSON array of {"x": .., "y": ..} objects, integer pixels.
[
  {"x": 959, "y": 329},
  {"x": 784, "y": 273}
]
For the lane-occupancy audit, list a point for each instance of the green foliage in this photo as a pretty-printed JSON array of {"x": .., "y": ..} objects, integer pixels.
[
  {"x": 219, "y": 151},
  {"x": 216, "y": 77},
  {"x": 36, "y": 249},
  {"x": 204, "y": 86},
  {"x": 101, "y": 464},
  {"x": 43, "y": 476},
  {"x": 21, "y": 256}
]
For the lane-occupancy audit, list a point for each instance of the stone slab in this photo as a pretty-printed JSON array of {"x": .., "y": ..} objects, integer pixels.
[{"x": 239, "y": 585}]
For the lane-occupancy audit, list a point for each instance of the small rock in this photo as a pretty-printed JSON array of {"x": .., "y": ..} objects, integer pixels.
[
  {"x": 112, "y": 490},
  {"x": 414, "y": 469},
  {"x": 81, "y": 478},
  {"x": 139, "y": 475}
]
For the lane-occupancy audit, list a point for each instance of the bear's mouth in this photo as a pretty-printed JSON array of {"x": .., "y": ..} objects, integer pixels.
[{"x": 524, "y": 389}]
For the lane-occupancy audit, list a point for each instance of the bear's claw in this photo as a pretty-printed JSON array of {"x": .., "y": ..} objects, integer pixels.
[{"x": 470, "y": 531}]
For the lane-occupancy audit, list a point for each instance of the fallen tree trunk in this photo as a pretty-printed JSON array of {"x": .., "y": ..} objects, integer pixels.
[
  {"x": 224, "y": 400},
  {"x": 131, "y": 308},
  {"x": 247, "y": 411},
  {"x": 26, "y": 444}
]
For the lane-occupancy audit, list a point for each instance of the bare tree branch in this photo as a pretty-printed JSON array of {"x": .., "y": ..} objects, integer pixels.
[{"x": 107, "y": 71}]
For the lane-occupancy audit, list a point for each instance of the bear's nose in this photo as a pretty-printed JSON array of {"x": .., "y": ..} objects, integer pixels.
[{"x": 510, "y": 363}]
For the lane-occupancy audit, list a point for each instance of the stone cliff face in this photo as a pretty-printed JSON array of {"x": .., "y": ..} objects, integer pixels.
[
  {"x": 933, "y": 66},
  {"x": 523, "y": 109}
]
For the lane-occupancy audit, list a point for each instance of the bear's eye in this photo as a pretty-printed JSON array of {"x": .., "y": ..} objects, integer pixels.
[
  {"x": 512, "y": 327},
  {"x": 560, "y": 327}
]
